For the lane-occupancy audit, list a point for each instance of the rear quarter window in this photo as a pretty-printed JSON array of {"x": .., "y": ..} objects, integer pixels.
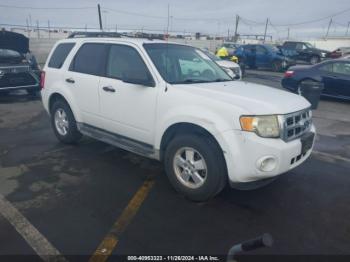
[{"x": 60, "y": 54}]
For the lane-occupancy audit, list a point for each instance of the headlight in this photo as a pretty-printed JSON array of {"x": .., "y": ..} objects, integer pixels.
[
  {"x": 264, "y": 126},
  {"x": 229, "y": 72}
]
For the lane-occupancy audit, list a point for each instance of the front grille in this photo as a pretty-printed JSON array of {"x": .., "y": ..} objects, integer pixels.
[
  {"x": 18, "y": 79},
  {"x": 14, "y": 69},
  {"x": 296, "y": 124}
]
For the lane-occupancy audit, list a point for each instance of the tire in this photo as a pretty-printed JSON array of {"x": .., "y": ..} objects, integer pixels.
[
  {"x": 298, "y": 91},
  {"x": 277, "y": 66},
  {"x": 214, "y": 177},
  {"x": 314, "y": 60},
  {"x": 62, "y": 119}
]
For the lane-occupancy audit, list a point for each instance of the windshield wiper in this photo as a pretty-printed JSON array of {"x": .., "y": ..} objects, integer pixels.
[
  {"x": 189, "y": 81},
  {"x": 221, "y": 80}
]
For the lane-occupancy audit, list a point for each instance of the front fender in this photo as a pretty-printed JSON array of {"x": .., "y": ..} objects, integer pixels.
[{"x": 207, "y": 119}]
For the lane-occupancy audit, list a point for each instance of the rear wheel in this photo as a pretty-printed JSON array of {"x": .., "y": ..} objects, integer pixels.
[
  {"x": 277, "y": 66},
  {"x": 63, "y": 123},
  {"x": 195, "y": 167}
]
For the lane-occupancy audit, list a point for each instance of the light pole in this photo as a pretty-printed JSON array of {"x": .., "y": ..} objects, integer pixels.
[{"x": 105, "y": 12}]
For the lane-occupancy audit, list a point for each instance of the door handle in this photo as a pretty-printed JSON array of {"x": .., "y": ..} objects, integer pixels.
[
  {"x": 70, "y": 80},
  {"x": 108, "y": 89}
]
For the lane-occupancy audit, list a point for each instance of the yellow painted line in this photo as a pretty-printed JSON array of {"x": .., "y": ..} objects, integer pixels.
[{"x": 109, "y": 243}]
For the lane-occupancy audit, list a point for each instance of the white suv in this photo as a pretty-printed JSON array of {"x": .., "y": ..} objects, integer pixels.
[{"x": 172, "y": 103}]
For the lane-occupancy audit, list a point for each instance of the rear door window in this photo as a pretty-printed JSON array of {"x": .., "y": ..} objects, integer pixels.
[
  {"x": 90, "y": 59},
  {"x": 60, "y": 54},
  {"x": 327, "y": 67}
]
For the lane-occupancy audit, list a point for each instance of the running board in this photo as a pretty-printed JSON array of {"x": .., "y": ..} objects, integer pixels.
[{"x": 123, "y": 142}]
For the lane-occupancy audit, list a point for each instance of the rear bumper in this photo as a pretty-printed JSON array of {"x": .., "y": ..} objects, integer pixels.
[{"x": 26, "y": 87}]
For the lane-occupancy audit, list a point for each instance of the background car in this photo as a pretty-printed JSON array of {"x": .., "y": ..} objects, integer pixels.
[
  {"x": 18, "y": 67},
  {"x": 232, "y": 68},
  {"x": 334, "y": 74},
  {"x": 339, "y": 52},
  {"x": 303, "y": 52},
  {"x": 263, "y": 56}
]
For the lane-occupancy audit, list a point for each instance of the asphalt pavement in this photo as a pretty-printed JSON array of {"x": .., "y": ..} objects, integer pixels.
[{"x": 79, "y": 197}]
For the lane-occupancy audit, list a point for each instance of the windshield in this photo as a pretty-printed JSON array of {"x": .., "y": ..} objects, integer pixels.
[
  {"x": 273, "y": 48},
  {"x": 212, "y": 56},
  {"x": 9, "y": 53},
  {"x": 309, "y": 45},
  {"x": 180, "y": 64}
]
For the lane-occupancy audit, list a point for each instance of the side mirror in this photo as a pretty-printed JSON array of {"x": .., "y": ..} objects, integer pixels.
[{"x": 138, "y": 77}]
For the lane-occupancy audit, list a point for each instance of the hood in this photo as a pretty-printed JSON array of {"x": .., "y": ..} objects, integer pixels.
[
  {"x": 320, "y": 50},
  {"x": 227, "y": 64},
  {"x": 14, "y": 41},
  {"x": 252, "y": 98},
  {"x": 300, "y": 67}
]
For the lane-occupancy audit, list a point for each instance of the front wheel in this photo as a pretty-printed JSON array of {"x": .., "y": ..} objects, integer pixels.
[
  {"x": 195, "y": 166},
  {"x": 314, "y": 60},
  {"x": 277, "y": 66}
]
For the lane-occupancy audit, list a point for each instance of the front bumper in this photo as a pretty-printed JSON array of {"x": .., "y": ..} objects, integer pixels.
[
  {"x": 244, "y": 151},
  {"x": 18, "y": 77}
]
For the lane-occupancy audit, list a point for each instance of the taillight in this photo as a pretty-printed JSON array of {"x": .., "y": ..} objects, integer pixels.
[
  {"x": 288, "y": 73},
  {"x": 42, "y": 79}
]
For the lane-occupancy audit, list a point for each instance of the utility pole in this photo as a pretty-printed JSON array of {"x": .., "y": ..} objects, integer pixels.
[
  {"x": 236, "y": 28},
  {"x": 267, "y": 22},
  {"x": 228, "y": 34},
  {"x": 99, "y": 16},
  {"x": 30, "y": 21},
  {"x": 168, "y": 22},
  {"x": 27, "y": 28},
  {"x": 288, "y": 33},
  {"x": 37, "y": 28},
  {"x": 329, "y": 27},
  {"x": 48, "y": 26},
  {"x": 116, "y": 28},
  {"x": 347, "y": 30}
]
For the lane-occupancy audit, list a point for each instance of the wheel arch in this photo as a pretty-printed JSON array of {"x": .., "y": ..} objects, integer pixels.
[
  {"x": 58, "y": 96},
  {"x": 185, "y": 128}
]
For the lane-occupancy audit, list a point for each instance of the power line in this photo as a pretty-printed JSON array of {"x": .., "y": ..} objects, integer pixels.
[
  {"x": 46, "y": 8},
  {"x": 316, "y": 20}
]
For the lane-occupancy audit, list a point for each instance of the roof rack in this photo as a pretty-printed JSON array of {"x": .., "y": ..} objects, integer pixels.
[
  {"x": 94, "y": 34},
  {"x": 78, "y": 34}
]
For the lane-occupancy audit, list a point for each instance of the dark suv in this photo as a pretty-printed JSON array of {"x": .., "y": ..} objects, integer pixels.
[
  {"x": 18, "y": 67},
  {"x": 302, "y": 51}
]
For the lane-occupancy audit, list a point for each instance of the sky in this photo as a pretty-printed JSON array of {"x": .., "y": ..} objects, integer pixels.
[{"x": 215, "y": 17}]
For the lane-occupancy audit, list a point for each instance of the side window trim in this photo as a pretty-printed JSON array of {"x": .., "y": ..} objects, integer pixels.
[{"x": 137, "y": 52}]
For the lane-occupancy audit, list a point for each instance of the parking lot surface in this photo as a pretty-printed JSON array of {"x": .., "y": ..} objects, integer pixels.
[{"x": 75, "y": 195}]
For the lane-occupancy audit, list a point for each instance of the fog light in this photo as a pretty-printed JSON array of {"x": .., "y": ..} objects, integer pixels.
[{"x": 267, "y": 164}]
